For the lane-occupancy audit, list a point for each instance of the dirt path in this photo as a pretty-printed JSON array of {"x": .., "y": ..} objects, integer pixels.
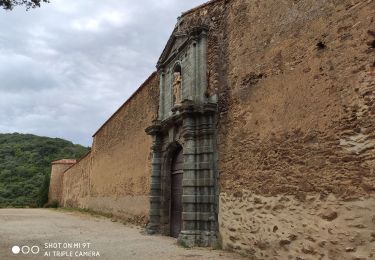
[{"x": 112, "y": 240}]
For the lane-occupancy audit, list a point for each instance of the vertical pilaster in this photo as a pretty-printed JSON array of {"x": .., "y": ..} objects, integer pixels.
[
  {"x": 155, "y": 189},
  {"x": 202, "y": 65},
  {"x": 162, "y": 96},
  {"x": 199, "y": 219},
  {"x": 195, "y": 79},
  {"x": 209, "y": 225},
  {"x": 188, "y": 234}
]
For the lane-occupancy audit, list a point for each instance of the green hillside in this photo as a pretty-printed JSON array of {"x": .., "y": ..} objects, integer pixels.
[{"x": 25, "y": 165}]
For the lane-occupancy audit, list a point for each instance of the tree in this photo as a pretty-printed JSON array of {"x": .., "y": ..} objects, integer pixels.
[
  {"x": 43, "y": 191},
  {"x": 9, "y": 4},
  {"x": 25, "y": 166}
]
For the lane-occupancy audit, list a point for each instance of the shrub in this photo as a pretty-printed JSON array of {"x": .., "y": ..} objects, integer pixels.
[{"x": 52, "y": 204}]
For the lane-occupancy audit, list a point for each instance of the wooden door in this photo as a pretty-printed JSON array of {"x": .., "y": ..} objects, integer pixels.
[{"x": 176, "y": 194}]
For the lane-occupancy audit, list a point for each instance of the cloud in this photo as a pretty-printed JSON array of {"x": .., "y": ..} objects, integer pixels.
[
  {"x": 102, "y": 21},
  {"x": 67, "y": 66}
]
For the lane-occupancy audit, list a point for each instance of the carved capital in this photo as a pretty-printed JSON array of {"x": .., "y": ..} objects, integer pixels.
[{"x": 154, "y": 129}]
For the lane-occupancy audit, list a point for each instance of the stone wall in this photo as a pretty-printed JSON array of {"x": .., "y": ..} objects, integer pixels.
[
  {"x": 284, "y": 227},
  {"x": 296, "y": 129},
  {"x": 76, "y": 184},
  {"x": 56, "y": 181},
  {"x": 300, "y": 116},
  {"x": 114, "y": 177},
  {"x": 295, "y": 84}
]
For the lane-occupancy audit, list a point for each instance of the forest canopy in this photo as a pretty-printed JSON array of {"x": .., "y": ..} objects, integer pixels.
[{"x": 25, "y": 166}]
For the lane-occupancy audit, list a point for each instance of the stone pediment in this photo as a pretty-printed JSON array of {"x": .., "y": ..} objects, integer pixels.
[
  {"x": 184, "y": 54},
  {"x": 177, "y": 42},
  {"x": 174, "y": 45}
]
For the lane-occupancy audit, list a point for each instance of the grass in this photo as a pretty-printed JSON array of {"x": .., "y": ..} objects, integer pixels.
[
  {"x": 86, "y": 211},
  {"x": 218, "y": 245},
  {"x": 52, "y": 204},
  {"x": 125, "y": 221}
]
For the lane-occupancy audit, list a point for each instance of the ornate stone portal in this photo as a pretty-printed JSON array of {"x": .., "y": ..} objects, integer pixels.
[{"x": 187, "y": 121}]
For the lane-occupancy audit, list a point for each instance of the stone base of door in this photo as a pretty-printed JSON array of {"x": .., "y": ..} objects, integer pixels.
[
  {"x": 152, "y": 229},
  {"x": 197, "y": 238}
]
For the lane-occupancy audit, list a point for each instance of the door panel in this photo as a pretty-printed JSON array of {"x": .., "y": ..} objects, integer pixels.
[{"x": 176, "y": 194}]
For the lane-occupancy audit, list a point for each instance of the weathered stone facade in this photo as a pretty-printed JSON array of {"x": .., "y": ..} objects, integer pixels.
[
  {"x": 193, "y": 130},
  {"x": 275, "y": 117},
  {"x": 190, "y": 126}
]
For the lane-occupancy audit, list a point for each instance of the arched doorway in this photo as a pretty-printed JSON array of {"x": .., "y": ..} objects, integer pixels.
[{"x": 176, "y": 193}]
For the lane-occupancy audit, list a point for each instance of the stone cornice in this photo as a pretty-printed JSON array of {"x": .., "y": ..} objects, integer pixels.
[{"x": 187, "y": 109}]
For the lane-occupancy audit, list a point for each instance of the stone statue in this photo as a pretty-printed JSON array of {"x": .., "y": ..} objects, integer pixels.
[{"x": 177, "y": 88}]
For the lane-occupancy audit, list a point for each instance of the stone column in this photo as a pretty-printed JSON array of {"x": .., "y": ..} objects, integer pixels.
[
  {"x": 202, "y": 66},
  {"x": 206, "y": 176},
  {"x": 162, "y": 91},
  {"x": 195, "y": 67},
  {"x": 190, "y": 231},
  {"x": 155, "y": 190},
  {"x": 199, "y": 208}
]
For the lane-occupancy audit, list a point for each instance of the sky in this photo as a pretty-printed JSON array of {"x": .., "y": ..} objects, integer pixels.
[{"x": 66, "y": 67}]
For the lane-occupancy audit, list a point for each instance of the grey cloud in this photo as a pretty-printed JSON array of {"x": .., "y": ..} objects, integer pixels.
[
  {"x": 66, "y": 67},
  {"x": 18, "y": 71}
]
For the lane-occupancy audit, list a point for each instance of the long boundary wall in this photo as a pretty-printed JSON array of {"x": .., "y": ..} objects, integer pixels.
[
  {"x": 114, "y": 177},
  {"x": 76, "y": 184}
]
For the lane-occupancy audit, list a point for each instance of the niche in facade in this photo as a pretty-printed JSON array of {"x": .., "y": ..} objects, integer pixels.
[
  {"x": 183, "y": 70},
  {"x": 177, "y": 88}
]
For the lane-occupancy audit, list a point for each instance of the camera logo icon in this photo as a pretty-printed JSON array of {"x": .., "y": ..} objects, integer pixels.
[
  {"x": 26, "y": 250},
  {"x": 16, "y": 250}
]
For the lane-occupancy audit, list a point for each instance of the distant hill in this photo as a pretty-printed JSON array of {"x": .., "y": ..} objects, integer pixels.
[{"x": 25, "y": 165}]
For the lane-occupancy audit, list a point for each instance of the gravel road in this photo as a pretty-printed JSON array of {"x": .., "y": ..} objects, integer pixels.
[{"x": 52, "y": 234}]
